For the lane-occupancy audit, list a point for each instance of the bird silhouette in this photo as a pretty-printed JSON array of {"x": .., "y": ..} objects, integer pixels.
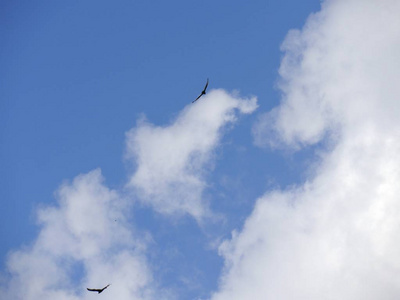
[
  {"x": 98, "y": 290},
  {"x": 203, "y": 92}
]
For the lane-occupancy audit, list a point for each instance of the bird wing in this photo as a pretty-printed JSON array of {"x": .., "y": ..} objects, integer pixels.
[
  {"x": 106, "y": 287},
  {"x": 92, "y": 290},
  {"x": 197, "y": 98},
  {"x": 204, "y": 90}
]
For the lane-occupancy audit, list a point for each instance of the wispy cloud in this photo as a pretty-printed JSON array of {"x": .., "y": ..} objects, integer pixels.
[
  {"x": 173, "y": 160},
  {"x": 335, "y": 236}
]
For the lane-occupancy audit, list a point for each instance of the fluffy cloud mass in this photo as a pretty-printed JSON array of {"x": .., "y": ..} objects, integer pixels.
[
  {"x": 337, "y": 235},
  {"x": 85, "y": 233},
  {"x": 171, "y": 161}
]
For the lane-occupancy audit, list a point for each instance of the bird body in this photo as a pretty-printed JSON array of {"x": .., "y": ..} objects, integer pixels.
[
  {"x": 203, "y": 92},
  {"x": 98, "y": 290}
]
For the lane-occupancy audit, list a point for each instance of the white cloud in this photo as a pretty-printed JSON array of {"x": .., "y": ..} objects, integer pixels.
[
  {"x": 86, "y": 229},
  {"x": 338, "y": 70},
  {"x": 172, "y": 160},
  {"x": 337, "y": 235}
]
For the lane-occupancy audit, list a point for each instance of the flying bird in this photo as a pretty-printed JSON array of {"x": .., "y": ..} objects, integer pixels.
[
  {"x": 203, "y": 92},
  {"x": 98, "y": 290}
]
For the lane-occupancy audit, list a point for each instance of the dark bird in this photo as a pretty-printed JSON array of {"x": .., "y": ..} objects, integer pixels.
[
  {"x": 98, "y": 290},
  {"x": 203, "y": 92}
]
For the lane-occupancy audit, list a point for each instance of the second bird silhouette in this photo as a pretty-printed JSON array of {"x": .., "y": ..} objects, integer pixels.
[
  {"x": 203, "y": 92},
  {"x": 98, "y": 290}
]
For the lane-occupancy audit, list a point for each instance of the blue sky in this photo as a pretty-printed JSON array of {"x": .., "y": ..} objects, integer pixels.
[{"x": 96, "y": 109}]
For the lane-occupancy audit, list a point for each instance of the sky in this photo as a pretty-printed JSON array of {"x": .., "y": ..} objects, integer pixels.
[{"x": 280, "y": 183}]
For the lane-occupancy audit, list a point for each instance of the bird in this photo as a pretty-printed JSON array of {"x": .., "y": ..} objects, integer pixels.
[
  {"x": 98, "y": 290},
  {"x": 203, "y": 92}
]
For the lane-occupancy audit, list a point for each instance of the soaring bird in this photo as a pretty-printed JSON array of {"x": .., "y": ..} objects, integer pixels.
[
  {"x": 98, "y": 290},
  {"x": 203, "y": 92}
]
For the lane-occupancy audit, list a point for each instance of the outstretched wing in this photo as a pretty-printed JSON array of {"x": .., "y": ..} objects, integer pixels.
[
  {"x": 93, "y": 290},
  {"x": 198, "y": 98},
  {"x": 105, "y": 287},
  {"x": 205, "y": 87}
]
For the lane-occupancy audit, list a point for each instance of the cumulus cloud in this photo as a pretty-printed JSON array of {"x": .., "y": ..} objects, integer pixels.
[
  {"x": 340, "y": 70},
  {"x": 172, "y": 160},
  {"x": 86, "y": 233},
  {"x": 336, "y": 235}
]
